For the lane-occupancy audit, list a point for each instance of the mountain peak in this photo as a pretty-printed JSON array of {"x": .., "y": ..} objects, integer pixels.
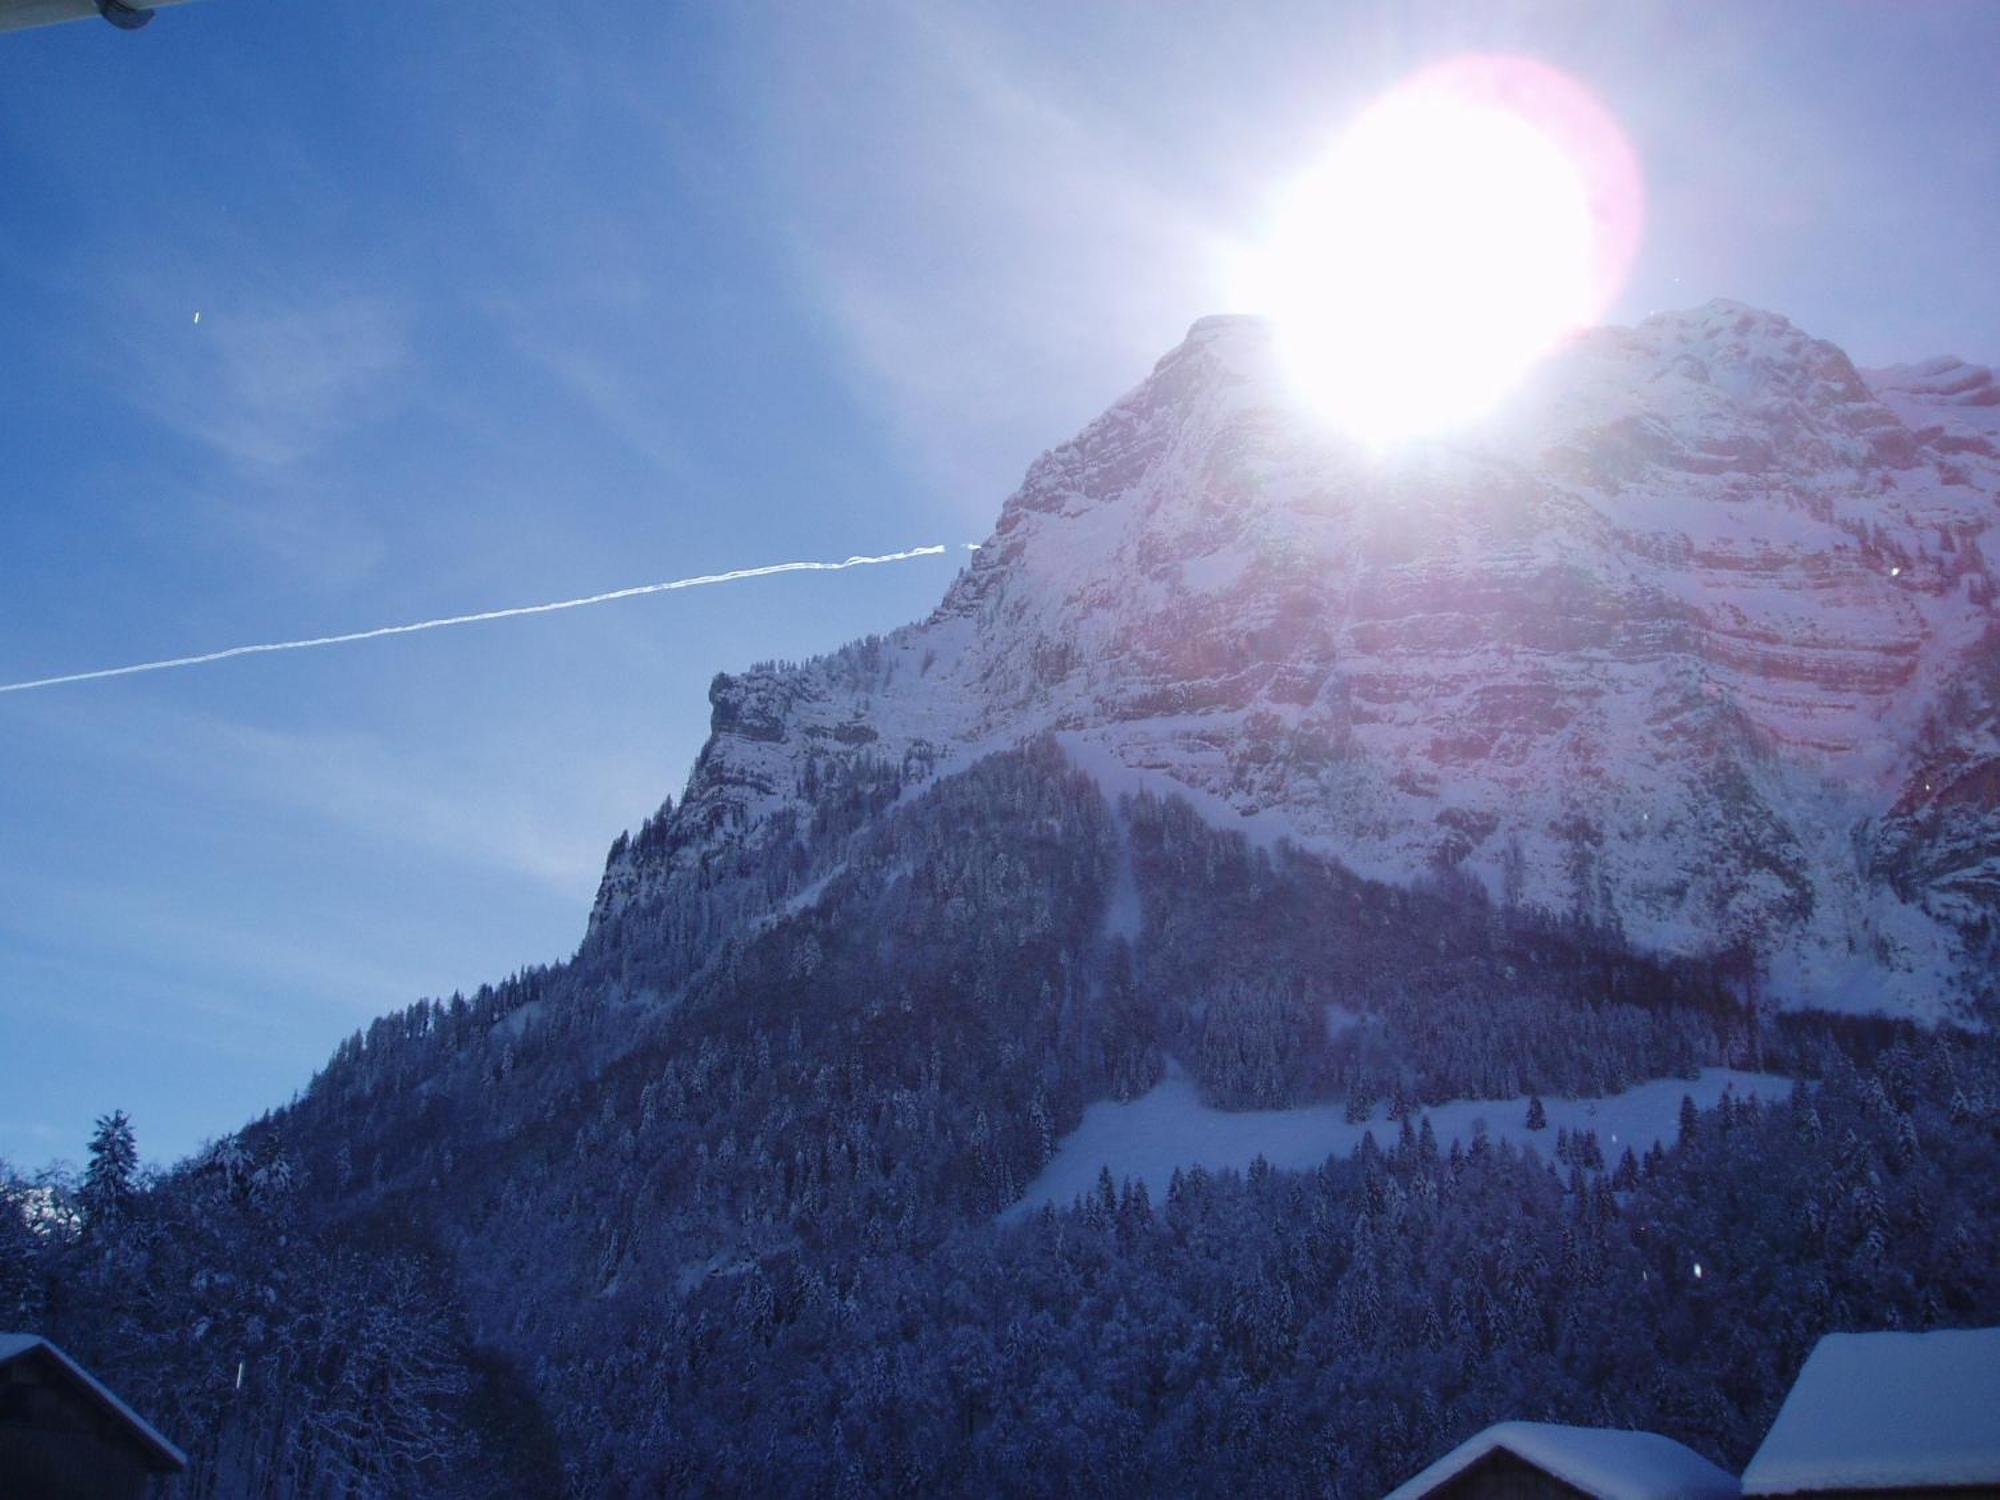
[
  {"x": 1227, "y": 325},
  {"x": 1660, "y": 644}
]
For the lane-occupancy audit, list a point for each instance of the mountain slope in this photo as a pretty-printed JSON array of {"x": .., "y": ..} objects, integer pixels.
[
  {"x": 1675, "y": 643},
  {"x": 1324, "y": 782}
]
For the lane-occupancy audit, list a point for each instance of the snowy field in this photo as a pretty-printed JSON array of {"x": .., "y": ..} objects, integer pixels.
[{"x": 1170, "y": 1127}]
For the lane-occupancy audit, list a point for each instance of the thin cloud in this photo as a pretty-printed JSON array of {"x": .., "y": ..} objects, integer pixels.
[
  {"x": 267, "y": 381},
  {"x": 1038, "y": 261}
]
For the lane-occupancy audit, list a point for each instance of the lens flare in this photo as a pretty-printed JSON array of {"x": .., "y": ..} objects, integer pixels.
[{"x": 1458, "y": 229}]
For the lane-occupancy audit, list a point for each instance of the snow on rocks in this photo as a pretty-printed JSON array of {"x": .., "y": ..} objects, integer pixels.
[{"x": 1657, "y": 643}]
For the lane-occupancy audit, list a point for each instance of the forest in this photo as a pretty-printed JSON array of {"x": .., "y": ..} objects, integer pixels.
[{"x": 717, "y": 1217}]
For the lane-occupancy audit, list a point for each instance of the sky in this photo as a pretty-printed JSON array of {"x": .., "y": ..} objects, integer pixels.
[{"x": 501, "y": 304}]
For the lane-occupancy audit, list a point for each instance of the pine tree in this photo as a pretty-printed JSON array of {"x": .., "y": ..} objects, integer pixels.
[
  {"x": 108, "y": 1182},
  {"x": 1482, "y": 1145},
  {"x": 1433, "y": 1334},
  {"x": 1135, "y": 1210},
  {"x": 1587, "y": 1152},
  {"x": 1903, "y": 1153},
  {"x": 1690, "y": 1119},
  {"x": 1360, "y": 1102},
  {"x": 1627, "y": 1176},
  {"x": 20, "y": 1281},
  {"x": 1537, "y": 1117}
]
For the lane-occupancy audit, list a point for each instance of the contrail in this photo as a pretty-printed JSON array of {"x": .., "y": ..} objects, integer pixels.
[{"x": 487, "y": 614}]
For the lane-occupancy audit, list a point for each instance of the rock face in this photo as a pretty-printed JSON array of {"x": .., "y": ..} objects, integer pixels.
[{"x": 1694, "y": 637}]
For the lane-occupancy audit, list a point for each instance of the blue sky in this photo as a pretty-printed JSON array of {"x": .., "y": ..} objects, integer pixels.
[{"x": 505, "y": 303}]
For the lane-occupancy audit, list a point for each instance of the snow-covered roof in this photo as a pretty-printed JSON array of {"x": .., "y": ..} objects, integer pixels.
[
  {"x": 1877, "y": 1411},
  {"x": 1609, "y": 1463},
  {"x": 166, "y": 1456}
]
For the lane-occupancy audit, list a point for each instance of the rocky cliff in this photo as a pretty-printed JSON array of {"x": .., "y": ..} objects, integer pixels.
[{"x": 1692, "y": 638}]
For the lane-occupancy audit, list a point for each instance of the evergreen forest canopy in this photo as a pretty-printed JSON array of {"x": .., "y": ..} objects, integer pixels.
[{"x": 710, "y": 1209}]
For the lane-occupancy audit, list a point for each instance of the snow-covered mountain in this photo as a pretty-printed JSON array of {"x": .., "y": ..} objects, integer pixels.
[
  {"x": 1694, "y": 637},
  {"x": 769, "y": 1189}
]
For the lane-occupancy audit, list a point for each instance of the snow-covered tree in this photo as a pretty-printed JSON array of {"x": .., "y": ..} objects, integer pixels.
[{"x": 110, "y": 1179}]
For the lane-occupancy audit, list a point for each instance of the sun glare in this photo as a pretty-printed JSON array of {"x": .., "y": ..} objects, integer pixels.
[{"x": 1456, "y": 231}]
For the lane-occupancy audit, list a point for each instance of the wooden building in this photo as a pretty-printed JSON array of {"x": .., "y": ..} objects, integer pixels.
[
  {"x": 64, "y": 1436},
  {"x": 1542, "y": 1461},
  {"x": 1879, "y": 1414}
]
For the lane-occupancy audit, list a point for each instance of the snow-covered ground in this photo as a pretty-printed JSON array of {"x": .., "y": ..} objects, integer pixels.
[{"x": 1170, "y": 1127}]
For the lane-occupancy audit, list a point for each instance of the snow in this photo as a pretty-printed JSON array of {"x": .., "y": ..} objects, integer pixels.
[
  {"x": 1947, "y": 393},
  {"x": 1611, "y": 1464},
  {"x": 1218, "y": 572},
  {"x": 517, "y": 1021},
  {"x": 1169, "y": 1126},
  {"x": 1340, "y": 1020},
  {"x": 1887, "y": 1411},
  {"x": 1124, "y": 913},
  {"x": 1688, "y": 593},
  {"x": 1116, "y": 778}
]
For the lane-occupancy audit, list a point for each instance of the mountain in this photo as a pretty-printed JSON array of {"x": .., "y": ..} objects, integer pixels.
[
  {"x": 1645, "y": 732},
  {"x": 1693, "y": 639}
]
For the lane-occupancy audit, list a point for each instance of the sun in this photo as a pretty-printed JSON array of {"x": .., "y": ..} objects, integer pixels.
[{"x": 1455, "y": 232}]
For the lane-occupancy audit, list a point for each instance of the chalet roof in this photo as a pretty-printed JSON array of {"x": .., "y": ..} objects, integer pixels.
[
  {"x": 1876, "y": 1411},
  {"x": 163, "y": 1455},
  {"x": 1608, "y": 1463}
]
